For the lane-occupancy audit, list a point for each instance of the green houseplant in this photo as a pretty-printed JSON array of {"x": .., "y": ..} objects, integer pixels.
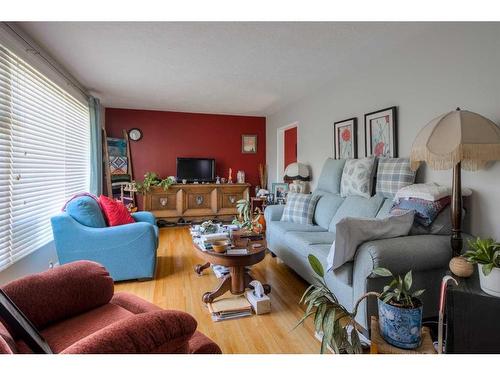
[
  {"x": 246, "y": 219},
  {"x": 152, "y": 179},
  {"x": 337, "y": 324},
  {"x": 398, "y": 303},
  {"x": 486, "y": 254}
]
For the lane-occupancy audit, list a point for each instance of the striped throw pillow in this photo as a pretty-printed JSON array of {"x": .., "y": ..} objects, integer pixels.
[{"x": 299, "y": 208}]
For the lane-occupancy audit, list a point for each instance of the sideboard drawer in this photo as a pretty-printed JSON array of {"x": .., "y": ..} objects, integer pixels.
[
  {"x": 167, "y": 201},
  {"x": 200, "y": 201},
  {"x": 228, "y": 199}
]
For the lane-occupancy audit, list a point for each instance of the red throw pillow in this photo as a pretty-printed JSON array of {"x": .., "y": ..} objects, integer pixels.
[{"x": 115, "y": 212}]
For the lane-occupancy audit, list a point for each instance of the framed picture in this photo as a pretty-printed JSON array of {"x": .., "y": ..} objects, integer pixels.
[
  {"x": 345, "y": 142},
  {"x": 381, "y": 136},
  {"x": 279, "y": 190},
  {"x": 248, "y": 144},
  {"x": 21, "y": 326}
]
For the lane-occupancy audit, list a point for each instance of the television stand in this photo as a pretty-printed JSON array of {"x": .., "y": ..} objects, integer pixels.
[{"x": 196, "y": 202}]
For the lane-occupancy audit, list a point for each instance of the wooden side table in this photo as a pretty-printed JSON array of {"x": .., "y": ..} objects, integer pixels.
[
  {"x": 380, "y": 346},
  {"x": 472, "y": 323},
  {"x": 257, "y": 202}
]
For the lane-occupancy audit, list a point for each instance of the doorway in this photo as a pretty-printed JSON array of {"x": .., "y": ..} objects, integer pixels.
[{"x": 287, "y": 148}]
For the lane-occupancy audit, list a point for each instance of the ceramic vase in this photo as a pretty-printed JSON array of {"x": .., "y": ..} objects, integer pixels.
[
  {"x": 401, "y": 327},
  {"x": 490, "y": 284}
]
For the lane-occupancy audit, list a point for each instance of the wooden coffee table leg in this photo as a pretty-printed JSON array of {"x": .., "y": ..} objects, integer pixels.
[
  {"x": 238, "y": 280},
  {"x": 223, "y": 287},
  {"x": 199, "y": 268}
]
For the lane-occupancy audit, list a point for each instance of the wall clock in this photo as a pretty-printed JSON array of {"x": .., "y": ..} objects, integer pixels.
[{"x": 135, "y": 134}]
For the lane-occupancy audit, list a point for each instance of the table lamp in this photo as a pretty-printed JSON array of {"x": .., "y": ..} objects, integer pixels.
[
  {"x": 458, "y": 139},
  {"x": 298, "y": 173}
]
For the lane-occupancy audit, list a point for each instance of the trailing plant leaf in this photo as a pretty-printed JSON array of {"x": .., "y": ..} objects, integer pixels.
[
  {"x": 316, "y": 265},
  {"x": 328, "y": 313},
  {"x": 151, "y": 179},
  {"x": 384, "y": 272}
]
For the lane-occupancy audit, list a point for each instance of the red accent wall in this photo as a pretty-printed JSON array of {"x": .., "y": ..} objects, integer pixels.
[
  {"x": 290, "y": 146},
  {"x": 168, "y": 135}
]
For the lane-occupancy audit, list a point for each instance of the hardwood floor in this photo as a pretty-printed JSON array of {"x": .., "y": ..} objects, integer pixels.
[{"x": 176, "y": 286}]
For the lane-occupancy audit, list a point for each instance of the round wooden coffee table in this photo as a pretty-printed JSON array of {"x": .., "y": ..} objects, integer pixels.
[{"x": 238, "y": 278}]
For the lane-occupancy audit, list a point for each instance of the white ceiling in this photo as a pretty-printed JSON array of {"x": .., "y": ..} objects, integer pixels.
[{"x": 238, "y": 68}]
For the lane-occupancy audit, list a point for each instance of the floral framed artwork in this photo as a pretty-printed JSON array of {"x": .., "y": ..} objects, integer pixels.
[
  {"x": 381, "y": 133},
  {"x": 248, "y": 144},
  {"x": 345, "y": 145}
]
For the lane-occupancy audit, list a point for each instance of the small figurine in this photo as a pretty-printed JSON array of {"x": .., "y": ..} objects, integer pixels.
[
  {"x": 217, "y": 180},
  {"x": 230, "y": 177}
]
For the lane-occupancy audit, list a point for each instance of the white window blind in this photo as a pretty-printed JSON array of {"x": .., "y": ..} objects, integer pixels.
[{"x": 44, "y": 155}]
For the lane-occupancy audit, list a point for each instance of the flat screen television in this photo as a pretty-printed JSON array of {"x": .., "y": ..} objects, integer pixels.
[{"x": 195, "y": 169}]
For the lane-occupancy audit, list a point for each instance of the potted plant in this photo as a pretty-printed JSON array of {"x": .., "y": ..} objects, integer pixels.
[
  {"x": 400, "y": 311},
  {"x": 245, "y": 218},
  {"x": 337, "y": 324},
  {"x": 152, "y": 179},
  {"x": 486, "y": 254},
  {"x": 339, "y": 329}
]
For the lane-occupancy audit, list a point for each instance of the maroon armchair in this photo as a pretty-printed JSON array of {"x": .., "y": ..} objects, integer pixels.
[{"x": 76, "y": 310}]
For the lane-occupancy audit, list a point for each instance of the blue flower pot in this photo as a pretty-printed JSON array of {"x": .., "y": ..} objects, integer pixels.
[{"x": 401, "y": 327}]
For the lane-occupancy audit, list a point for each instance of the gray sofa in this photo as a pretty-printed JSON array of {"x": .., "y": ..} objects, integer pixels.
[{"x": 426, "y": 254}]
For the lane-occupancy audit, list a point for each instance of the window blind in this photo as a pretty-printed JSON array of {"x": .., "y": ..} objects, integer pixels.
[{"x": 44, "y": 155}]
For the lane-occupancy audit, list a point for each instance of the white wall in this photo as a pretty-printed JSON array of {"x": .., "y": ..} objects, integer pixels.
[
  {"x": 37, "y": 261},
  {"x": 458, "y": 65}
]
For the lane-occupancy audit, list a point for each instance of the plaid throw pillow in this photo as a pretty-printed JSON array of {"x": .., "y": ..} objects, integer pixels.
[
  {"x": 299, "y": 208},
  {"x": 392, "y": 175}
]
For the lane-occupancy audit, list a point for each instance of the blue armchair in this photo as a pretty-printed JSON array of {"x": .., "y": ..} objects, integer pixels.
[{"x": 127, "y": 251}]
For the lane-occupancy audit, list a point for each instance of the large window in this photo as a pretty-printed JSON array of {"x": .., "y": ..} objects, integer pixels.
[{"x": 44, "y": 155}]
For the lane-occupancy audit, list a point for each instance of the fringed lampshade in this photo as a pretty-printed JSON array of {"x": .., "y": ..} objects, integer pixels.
[{"x": 457, "y": 139}]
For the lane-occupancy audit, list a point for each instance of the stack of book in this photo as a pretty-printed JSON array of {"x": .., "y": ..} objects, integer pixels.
[
  {"x": 205, "y": 241},
  {"x": 220, "y": 271},
  {"x": 231, "y": 307}
]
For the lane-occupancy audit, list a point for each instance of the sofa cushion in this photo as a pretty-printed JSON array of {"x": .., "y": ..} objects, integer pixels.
[
  {"x": 356, "y": 206},
  {"x": 86, "y": 210},
  {"x": 163, "y": 331},
  {"x": 343, "y": 273},
  {"x": 326, "y": 207},
  {"x": 284, "y": 226},
  {"x": 392, "y": 175},
  {"x": 385, "y": 210},
  {"x": 65, "y": 333},
  {"x": 357, "y": 177},
  {"x": 302, "y": 241},
  {"x": 331, "y": 174},
  {"x": 300, "y": 208}
]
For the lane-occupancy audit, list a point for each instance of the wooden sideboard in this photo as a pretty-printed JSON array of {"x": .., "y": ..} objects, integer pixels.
[{"x": 196, "y": 201}]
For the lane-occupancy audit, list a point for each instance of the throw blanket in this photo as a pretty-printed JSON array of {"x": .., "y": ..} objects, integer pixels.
[{"x": 353, "y": 231}]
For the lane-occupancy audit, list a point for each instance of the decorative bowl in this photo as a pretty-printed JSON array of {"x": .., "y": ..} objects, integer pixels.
[{"x": 220, "y": 246}]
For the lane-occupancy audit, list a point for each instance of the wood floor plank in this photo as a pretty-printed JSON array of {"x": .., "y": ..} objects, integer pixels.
[{"x": 176, "y": 286}]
